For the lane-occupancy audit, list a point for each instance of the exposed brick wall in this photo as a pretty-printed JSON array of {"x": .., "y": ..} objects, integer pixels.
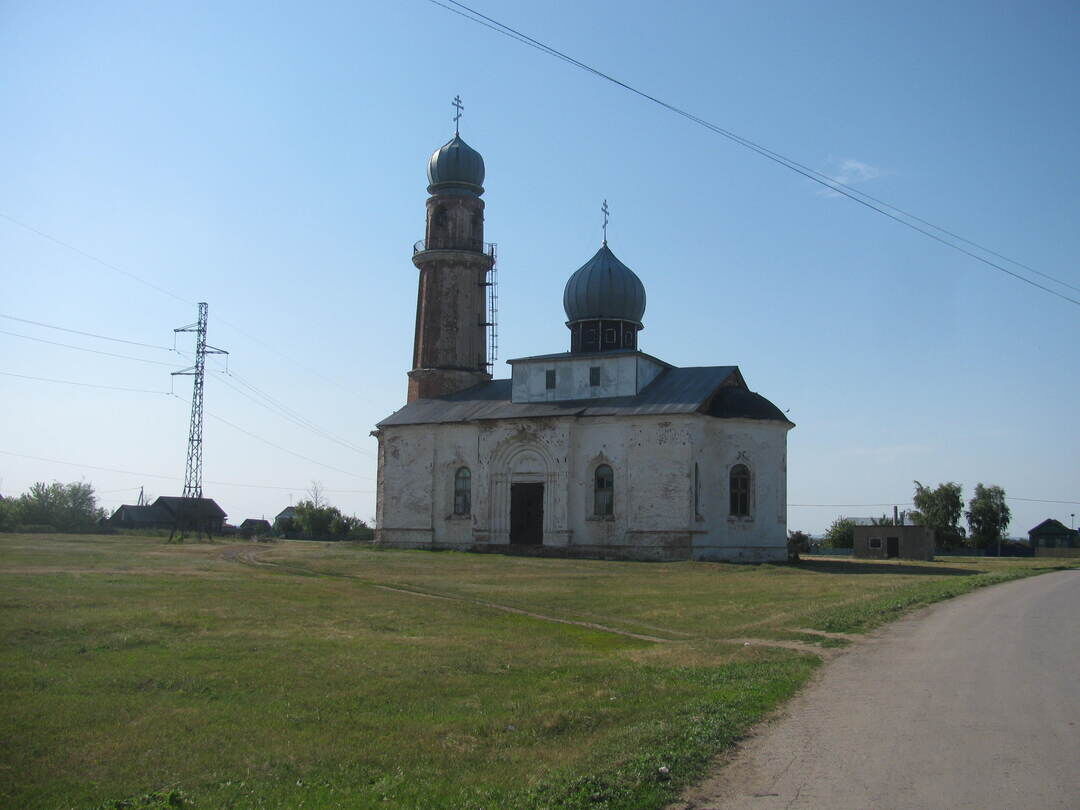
[{"x": 450, "y": 344}]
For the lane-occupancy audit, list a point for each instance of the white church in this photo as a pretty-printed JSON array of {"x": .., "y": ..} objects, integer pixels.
[{"x": 600, "y": 451}]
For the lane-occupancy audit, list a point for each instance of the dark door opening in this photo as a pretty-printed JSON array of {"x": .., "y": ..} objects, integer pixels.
[
  {"x": 527, "y": 514},
  {"x": 892, "y": 547}
]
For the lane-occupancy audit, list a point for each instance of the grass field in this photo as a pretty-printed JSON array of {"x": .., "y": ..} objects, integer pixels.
[{"x": 137, "y": 673}]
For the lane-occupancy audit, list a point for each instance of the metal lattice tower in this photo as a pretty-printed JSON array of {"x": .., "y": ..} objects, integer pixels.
[{"x": 193, "y": 468}]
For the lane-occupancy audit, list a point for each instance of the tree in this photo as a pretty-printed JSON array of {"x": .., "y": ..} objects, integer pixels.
[
  {"x": 10, "y": 514},
  {"x": 940, "y": 509},
  {"x": 314, "y": 522},
  {"x": 987, "y": 515},
  {"x": 797, "y": 542},
  {"x": 65, "y": 507},
  {"x": 841, "y": 534}
]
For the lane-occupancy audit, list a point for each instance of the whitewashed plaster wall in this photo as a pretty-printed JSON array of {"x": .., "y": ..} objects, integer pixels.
[
  {"x": 622, "y": 374},
  {"x": 653, "y": 459}
]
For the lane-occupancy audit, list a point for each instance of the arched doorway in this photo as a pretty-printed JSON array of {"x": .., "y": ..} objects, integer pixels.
[{"x": 527, "y": 471}]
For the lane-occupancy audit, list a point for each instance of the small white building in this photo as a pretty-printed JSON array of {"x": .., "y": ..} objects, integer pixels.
[{"x": 602, "y": 451}]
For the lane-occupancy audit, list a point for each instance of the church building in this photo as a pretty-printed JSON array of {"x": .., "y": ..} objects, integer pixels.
[{"x": 599, "y": 451}]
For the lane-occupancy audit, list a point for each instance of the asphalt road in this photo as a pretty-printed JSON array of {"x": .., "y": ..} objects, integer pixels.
[{"x": 972, "y": 703}]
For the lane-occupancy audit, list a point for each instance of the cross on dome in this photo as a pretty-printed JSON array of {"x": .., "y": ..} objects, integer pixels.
[
  {"x": 604, "y": 208},
  {"x": 457, "y": 105}
]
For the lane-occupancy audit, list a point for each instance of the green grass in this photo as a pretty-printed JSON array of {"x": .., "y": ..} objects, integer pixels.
[{"x": 329, "y": 675}]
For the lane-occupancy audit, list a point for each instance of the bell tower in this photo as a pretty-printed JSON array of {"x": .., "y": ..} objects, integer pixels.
[{"x": 450, "y": 346}]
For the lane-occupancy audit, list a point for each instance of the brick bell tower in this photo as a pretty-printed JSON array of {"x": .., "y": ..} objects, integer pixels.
[{"x": 450, "y": 346}]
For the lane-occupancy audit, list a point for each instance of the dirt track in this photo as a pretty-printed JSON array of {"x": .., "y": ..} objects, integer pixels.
[{"x": 973, "y": 703}]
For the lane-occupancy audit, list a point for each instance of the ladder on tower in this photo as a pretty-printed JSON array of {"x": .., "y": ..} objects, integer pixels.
[{"x": 492, "y": 322}]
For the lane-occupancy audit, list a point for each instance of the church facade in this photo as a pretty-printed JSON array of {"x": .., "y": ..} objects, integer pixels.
[{"x": 601, "y": 451}]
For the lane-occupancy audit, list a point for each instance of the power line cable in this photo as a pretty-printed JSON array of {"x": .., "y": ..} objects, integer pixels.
[
  {"x": 272, "y": 404},
  {"x": 275, "y": 406},
  {"x": 171, "y": 477},
  {"x": 811, "y": 174},
  {"x": 84, "y": 385},
  {"x": 852, "y": 505},
  {"x": 280, "y": 413},
  {"x": 284, "y": 356},
  {"x": 277, "y": 446},
  {"x": 1037, "y": 500},
  {"x": 87, "y": 334},
  {"x": 95, "y": 259},
  {"x": 909, "y": 503},
  {"x": 84, "y": 349},
  {"x": 141, "y": 280}
]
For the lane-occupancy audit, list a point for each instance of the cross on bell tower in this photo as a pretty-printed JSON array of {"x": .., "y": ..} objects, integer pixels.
[{"x": 452, "y": 343}]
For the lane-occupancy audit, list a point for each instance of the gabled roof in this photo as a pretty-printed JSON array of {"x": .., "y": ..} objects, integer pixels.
[
  {"x": 1051, "y": 526},
  {"x": 142, "y": 515},
  {"x": 287, "y": 512},
  {"x": 674, "y": 391},
  {"x": 255, "y": 523},
  {"x": 200, "y": 508}
]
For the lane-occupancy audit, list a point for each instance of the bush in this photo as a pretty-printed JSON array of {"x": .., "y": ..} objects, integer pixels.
[
  {"x": 314, "y": 522},
  {"x": 798, "y": 542},
  {"x": 841, "y": 533}
]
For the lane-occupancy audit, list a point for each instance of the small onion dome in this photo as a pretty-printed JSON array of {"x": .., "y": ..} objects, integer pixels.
[
  {"x": 604, "y": 289},
  {"x": 456, "y": 166}
]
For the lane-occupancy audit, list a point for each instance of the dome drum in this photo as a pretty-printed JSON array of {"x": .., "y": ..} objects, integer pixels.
[{"x": 602, "y": 335}]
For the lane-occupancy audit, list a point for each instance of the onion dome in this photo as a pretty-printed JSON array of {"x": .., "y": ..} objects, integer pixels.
[
  {"x": 604, "y": 289},
  {"x": 455, "y": 167}
]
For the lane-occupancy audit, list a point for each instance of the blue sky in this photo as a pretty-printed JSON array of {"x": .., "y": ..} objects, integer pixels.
[{"x": 269, "y": 159}]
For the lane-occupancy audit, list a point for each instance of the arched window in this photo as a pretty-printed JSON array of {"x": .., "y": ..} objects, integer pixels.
[
  {"x": 462, "y": 491},
  {"x": 740, "y": 491},
  {"x": 604, "y": 492},
  {"x": 697, "y": 491}
]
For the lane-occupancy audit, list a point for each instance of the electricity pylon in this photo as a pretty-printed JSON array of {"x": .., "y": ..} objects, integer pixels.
[{"x": 193, "y": 467}]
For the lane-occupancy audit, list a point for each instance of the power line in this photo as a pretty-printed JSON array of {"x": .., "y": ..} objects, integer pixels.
[
  {"x": 851, "y": 505},
  {"x": 279, "y": 409},
  {"x": 87, "y": 334},
  {"x": 909, "y": 503},
  {"x": 172, "y": 477},
  {"x": 271, "y": 403},
  {"x": 1037, "y": 500},
  {"x": 811, "y": 174},
  {"x": 284, "y": 356},
  {"x": 84, "y": 349},
  {"x": 276, "y": 446},
  {"x": 82, "y": 384},
  {"x": 214, "y": 416},
  {"x": 141, "y": 280},
  {"x": 95, "y": 259}
]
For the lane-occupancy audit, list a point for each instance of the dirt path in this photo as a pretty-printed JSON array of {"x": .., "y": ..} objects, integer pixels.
[
  {"x": 972, "y": 703},
  {"x": 251, "y": 556}
]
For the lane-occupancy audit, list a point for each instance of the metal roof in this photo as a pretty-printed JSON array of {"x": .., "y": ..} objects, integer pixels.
[
  {"x": 455, "y": 164},
  {"x": 674, "y": 391},
  {"x": 201, "y": 507},
  {"x": 604, "y": 287},
  {"x": 557, "y": 356}
]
